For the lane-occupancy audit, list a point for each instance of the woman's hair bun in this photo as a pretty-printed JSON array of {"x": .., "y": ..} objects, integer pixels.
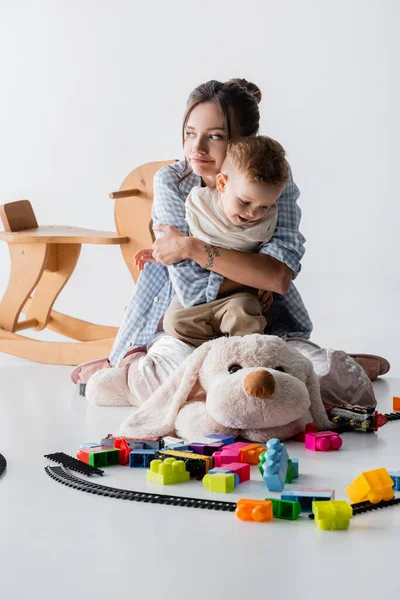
[{"x": 251, "y": 88}]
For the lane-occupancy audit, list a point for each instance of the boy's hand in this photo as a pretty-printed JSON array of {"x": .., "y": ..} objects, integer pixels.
[
  {"x": 265, "y": 299},
  {"x": 142, "y": 257}
]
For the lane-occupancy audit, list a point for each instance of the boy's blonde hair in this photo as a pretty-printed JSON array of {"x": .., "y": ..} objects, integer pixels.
[{"x": 261, "y": 159}]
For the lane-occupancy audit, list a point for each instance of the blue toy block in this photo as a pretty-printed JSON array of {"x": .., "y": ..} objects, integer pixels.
[
  {"x": 295, "y": 463},
  {"x": 225, "y": 439},
  {"x": 222, "y": 470},
  {"x": 181, "y": 447},
  {"x": 307, "y": 498},
  {"x": 275, "y": 466},
  {"x": 395, "y": 475},
  {"x": 140, "y": 459},
  {"x": 90, "y": 445}
]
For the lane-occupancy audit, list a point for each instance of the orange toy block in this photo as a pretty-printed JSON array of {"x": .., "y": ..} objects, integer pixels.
[
  {"x": 254, "y": 510},
  {"x": 251, "y": 454},
  {"x": 396, "y": 403},
  {"x": 375, "y": 485}
]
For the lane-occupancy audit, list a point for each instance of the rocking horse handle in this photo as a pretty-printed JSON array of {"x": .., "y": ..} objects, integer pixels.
[{"x": 124, "y": 194}]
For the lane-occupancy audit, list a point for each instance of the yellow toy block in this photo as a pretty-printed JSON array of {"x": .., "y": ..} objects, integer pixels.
[
  {"x": 332, "y": 514},
  {"x": 167, "y": 472},
  {"x": 375, "y": 485},
  {"x": 220, "y": 482}
]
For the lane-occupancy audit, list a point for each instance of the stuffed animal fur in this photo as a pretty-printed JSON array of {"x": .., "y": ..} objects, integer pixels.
[{"x": 255, "y": 386}]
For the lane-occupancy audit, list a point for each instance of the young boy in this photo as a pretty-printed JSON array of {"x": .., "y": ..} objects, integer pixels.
[{"x": 240, "y": 212}]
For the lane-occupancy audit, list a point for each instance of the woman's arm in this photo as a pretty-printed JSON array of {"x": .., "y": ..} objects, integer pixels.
[{"x": 255, "y": 270}]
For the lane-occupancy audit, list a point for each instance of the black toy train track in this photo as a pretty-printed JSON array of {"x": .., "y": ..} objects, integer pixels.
[
  {"x": 63, "y": 476},
  {"x": 3, "y": 464}
]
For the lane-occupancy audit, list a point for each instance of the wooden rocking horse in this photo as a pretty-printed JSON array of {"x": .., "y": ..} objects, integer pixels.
[{"x": 43, "y": 259}]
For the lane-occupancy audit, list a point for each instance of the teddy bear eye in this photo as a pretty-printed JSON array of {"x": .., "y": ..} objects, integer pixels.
[
  {"x": 281, "y": 369},
  {"x": 234, "y": 368}
]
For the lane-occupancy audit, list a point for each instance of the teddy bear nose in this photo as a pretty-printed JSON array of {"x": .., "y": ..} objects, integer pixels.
[{"x": 260, "y": 384}]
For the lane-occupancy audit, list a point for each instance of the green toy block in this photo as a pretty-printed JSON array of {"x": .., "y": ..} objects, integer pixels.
[
  {"x": 285, "y": 509},
  {"x": 261, "y": 463},
  {"x": 291, "y": 472},
  {"x": 167, "y": 472},
  {"x": 220, "y": 482},
  {"x": 104, "y": 458}
]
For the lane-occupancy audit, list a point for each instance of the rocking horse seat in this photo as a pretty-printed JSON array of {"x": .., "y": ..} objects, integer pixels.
[{"x": 61, "y": 234}]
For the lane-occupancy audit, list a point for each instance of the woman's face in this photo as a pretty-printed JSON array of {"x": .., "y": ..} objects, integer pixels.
[{"x": 205, "y": 140}]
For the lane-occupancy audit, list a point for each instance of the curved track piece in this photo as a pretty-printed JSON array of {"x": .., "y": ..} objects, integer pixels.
[
  {"x": 62, "y": 475},
  {"x": 3, "y": 464}
]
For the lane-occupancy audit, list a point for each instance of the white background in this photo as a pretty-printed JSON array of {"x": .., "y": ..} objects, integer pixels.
[{"x": 92, "y": 89}]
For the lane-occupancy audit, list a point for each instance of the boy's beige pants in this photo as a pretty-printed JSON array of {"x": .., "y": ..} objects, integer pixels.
[{"x": 236, "y": 314}]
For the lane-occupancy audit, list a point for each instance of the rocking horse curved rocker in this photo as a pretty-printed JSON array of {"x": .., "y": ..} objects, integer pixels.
[{"x": 43, "y": 259}]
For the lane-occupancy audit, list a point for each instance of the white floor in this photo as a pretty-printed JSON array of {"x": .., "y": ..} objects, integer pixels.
[{"x": 59, "y": 543}]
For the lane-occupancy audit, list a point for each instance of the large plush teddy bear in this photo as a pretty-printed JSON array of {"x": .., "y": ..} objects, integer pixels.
[{"x": 255, "y": 386}]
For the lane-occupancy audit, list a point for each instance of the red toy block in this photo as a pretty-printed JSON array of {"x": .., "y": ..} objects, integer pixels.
[
  {"x": 124, "y": 450},
  {"x": 323, "y": 441},
  {"x": 242, "y": 470},
  {"x": 309, "y": 428},
  {"x": 396, "y": 403}
]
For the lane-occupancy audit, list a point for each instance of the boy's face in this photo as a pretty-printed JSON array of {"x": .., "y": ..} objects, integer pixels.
[{"x": 244, "y": 201}]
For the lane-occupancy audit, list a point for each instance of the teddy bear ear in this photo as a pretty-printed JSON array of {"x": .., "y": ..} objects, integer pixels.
[
  {"x": 317, "y": 407},
  {"x": 158, "y": 413}
]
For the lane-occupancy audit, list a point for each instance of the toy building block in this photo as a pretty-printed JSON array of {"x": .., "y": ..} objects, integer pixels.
[
  {"x": 395, "y": 475},
  {"x": 167, "y": 472},
  {"x": 87, "y": 445},
  {"x": 375, "y": 485},
  {"x": 254, "y": 510},
  {"x": 225, "y": 439},
  {"x": 323, "y": 441},
  {"x": 224, "y": 471},
  {"x": 169, "y": 440},
  {"x": 238, "y": 452},
  {"x": 154, "y": 443},
  {"x": 198, "y": 465},
  {"x": 251, "y": 454},
  {"x": 307, "y": 498},
  {"x": 124, "y": 451},
  {"x": 226, "y": 456},
  {"x": 99, "y": 457},
  {"x": 205, "y": 448},
  {"x": 285, "y": 509},
  {"x": 396, "y": 403},
  {"x": 309, "y": 428},
  {"x": 240, "y": 469},
  {"x": 292, "y": 471},
  {"x": 335, "y": 514},
  {"x": 180, "y": 447},
  {"x": 220, "y": 482},
  {"x": 141, "y": 459},
  {"x": 275, "y": 465}
]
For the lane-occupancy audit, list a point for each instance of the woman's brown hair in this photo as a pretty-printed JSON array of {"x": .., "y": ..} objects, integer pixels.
[{"x": 237, "y": 100}]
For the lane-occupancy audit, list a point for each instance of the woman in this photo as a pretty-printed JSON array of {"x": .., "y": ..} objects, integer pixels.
[{"x": 215, "y": 112}]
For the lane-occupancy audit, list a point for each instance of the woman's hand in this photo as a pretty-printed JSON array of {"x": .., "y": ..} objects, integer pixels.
[
  {"x": 169, "y": 248},
  {"x": 265, "y": 299},
  {"x": 142, "y": 257}
]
